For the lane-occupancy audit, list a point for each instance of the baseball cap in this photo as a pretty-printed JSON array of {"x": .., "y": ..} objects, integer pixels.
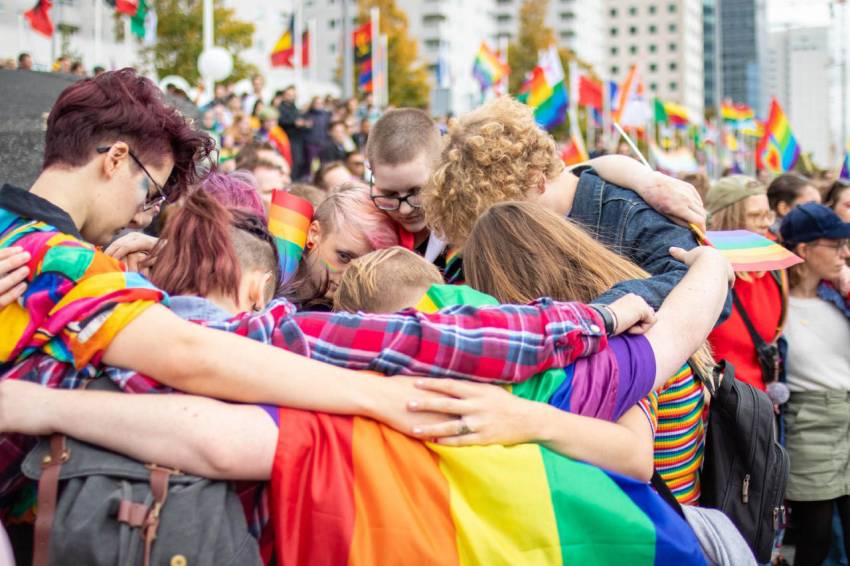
[
  {"x": 812, "y": 221},
  {"x": 729, "y": 190}
]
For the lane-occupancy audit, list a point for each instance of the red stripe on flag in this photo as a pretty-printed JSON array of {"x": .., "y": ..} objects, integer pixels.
[{"x": 291, "y": 202}]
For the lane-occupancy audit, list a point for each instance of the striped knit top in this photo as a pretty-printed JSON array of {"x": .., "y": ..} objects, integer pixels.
[{"x": 679, "y": 415}]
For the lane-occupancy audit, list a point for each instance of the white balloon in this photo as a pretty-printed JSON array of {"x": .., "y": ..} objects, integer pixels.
[{"x": 215, "y": 64}]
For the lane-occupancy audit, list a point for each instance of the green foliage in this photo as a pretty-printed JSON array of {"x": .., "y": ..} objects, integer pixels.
[
  {"x": 408, "y": 79},
  {"x": 180, "y": 39},
  {"x": 532, "y": 36}
]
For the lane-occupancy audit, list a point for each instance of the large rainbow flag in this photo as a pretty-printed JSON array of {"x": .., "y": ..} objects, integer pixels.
[
  {"x": 545, "y": 90},
  {"x": 747, "y": 251},
  {"x": 348, "y": 490},
  {"x": 778, "y": 150},
  {"x": 289, "y": 220},
  {"x": 488, "y": 68}
]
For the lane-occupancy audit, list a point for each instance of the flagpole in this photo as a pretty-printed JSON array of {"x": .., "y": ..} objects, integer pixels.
[
  {"x": 209, "y": 84},
  {"x": 347, "y": 53},
  {"x": 313, "y": 49},
  {"x": 297, "y": 41},
  {"x": 385, "y": 71},
  {"x": 503, "y": 51},
  {"x": 632, "y": 145},
  {"x": 606, "y": 113},
  {"x": 374, "y": 21}
]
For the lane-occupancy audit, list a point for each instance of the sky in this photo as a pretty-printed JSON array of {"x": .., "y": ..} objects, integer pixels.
[{"x": 801, "y": 12}]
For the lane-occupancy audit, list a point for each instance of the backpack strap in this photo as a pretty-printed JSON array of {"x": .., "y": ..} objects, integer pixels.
[
  {"x": 159, "y": 488},
  {"x": 781, "y": 278},
  {"x": 48, "y": 490},
  {"x": 661, "y": 488},
  {"x": 758, "y": 341}
]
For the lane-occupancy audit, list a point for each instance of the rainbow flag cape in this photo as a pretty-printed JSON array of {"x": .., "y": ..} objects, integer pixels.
[
  {"x": 545, "y": 90},
  {"x": 748, "y": 251},
  {"x": 778, "y": 150},
  {"x": 289, "y": 220},
  {"x": 348, "y": 490},
  {"x": 844, "y": 175},
  {"x": 488, "y": 68}
]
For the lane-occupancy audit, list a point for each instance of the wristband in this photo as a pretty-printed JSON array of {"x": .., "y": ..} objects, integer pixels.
[{"x": 608, "y": 317}]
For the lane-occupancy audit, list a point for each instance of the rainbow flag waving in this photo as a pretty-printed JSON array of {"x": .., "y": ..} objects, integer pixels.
[
  {"x": 348, "y": 490},
  {"x": 778, "y": 150},
  {"x": 488, "y": 68},
  {"x": 747, "y": 251},
  {"x": 289, "y": 220},
  {"x": 844, "y": 174},
  {"x": 545, "y": 90}
]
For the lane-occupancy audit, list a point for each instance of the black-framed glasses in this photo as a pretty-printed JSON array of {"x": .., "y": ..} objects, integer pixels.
[
  {"x": 413, "y": 199},
  {"x": 836, "y": 245},
  {"x": 151, "y": 200}
]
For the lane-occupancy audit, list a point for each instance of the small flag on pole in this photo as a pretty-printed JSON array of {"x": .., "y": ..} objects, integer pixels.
[
  {"x": 778, "y": 150},
  {"x": 39, "y": 17},
  {"x": 488, "y": 69},
  {"x": 747, "y": 251},
  {"x": 284, "y": 50},
  {"x": 289, "y": 221},
  {"x": 545, "y": 90}
]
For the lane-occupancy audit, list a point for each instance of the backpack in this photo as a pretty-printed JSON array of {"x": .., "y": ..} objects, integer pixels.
[
  {"x": 96, "y": 507},
  {"x": 745, "y": 469}
]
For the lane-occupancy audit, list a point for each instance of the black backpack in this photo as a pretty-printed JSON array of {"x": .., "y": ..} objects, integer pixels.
[{"x": 745, "y": 469}]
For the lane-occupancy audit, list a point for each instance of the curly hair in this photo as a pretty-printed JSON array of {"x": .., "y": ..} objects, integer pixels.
[{"x": 493, "y": 154}]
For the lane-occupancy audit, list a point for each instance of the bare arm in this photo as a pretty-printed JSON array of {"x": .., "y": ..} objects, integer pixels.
[
  {"x": 194, "y": 434},
  {"x": 218, "y": 364},
  {"x": 690, "y": 311},
  {"x": 494, "y": 416}
]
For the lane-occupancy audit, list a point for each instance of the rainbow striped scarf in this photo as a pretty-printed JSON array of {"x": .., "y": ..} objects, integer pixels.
[{"x": 348, "y": 490}]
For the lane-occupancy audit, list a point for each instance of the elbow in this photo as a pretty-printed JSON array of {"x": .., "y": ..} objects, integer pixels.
[
  {"x": 218, "y": 461},
  {"x": 643, "y": 470}
]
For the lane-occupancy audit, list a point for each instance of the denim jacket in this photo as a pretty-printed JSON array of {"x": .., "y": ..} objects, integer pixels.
[
  {"x": 830, "y": 294},
  {"x": 626, "y": 224}
]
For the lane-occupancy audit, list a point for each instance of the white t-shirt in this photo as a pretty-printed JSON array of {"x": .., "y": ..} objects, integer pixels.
[{"x": 818, "y": 337}]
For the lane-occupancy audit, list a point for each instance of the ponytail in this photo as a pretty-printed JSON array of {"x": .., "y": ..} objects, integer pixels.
[{"x": 195, "y": 255}]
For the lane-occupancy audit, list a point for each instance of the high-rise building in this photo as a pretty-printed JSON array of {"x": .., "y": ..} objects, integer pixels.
[
  {"x": 664, "y": 38},
  {"x": 578, "y": 25},
  {"x": 743, "y": 33},
  {"x": 712, "y": 78},
  {"x": 801, "y": 74}
]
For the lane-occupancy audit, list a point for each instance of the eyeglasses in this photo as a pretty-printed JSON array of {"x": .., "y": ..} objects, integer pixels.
[
  {"x": 836, "y": 245},
  {"x": 412, "y": 198},
  {"x": 154, "y": 199},
  {"x": 767, "y": 215}
]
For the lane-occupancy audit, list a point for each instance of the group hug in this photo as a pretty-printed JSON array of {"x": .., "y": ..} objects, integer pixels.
[{"x": 482, "y": 357}]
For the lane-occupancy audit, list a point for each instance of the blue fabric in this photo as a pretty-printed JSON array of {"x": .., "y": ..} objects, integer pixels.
[
  {"x": 831, "y": 295},
  {"x": 626, "y": 224}
]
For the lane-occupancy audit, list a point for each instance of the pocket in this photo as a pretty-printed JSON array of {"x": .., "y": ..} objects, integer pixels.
[{"x": 811, "y": 438}]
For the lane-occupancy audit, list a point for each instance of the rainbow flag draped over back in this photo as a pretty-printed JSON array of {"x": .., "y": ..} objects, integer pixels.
[
  {"x": 289, "y": 220},
  {"x": 545, "y": 90},
  {"x": 488, "y": 68},
  {"x": 778, "y": 150},
  {"x": 348, "y": 490}
]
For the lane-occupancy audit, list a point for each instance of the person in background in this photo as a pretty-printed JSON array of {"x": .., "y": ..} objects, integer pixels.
[
  {"x": 62, "y": 65},
  {"x": 817, "y": 416},
  {"x": 739, "y": 202},
  {"x": 296, "y": 127},
  {"x": 339, "y": 143},
  {"x": 361, "y": 136},
  {"x": 838, "y": 199},
  {"x": 317, "y": 138},
  {"x": 700, "y": 182},
  {"x": 258, "y": 107},
  {"x": 25, "y": 62},
  {"x": 271, "y": 133},
  {"x": 787, "y": 191},
  {"x": 77, "y": 69},
  {"x": 269, "y": 168},
  {"x": 98, "y": 70},
  {"x": 355, "y": 162},
  {"x": 331, "y": 176},
  {"x": 257, "y": 85}
]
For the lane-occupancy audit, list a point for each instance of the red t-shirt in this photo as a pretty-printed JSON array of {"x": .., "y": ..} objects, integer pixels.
[{"x": 762, "y": 299}]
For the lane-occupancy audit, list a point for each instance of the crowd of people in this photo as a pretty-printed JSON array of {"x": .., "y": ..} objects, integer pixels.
[{"x": 141, "y": 257}]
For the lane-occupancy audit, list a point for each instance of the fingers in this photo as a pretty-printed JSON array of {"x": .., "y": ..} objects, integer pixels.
[
  {"x": 445, "y": 405},
  {"x": 13, "y": 273},
  {"x": 678, "y": 253},
  {"x": 12, "y": 258},
  {"x": 453, "y": 427},
  {"x": 452, "y": 387},
  {"x": 465, "y": 440}
]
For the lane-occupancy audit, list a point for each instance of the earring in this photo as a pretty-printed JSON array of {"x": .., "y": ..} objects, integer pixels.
[
  {"x": 255, "y": 308},
  {"x": 310, "y": 245}
]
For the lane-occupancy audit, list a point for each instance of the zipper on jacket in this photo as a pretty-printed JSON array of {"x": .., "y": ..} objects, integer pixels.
[{"x": 745, "y": 489}]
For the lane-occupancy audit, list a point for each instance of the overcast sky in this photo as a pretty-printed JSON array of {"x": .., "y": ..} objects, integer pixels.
[{"x": 803, "y": 12}]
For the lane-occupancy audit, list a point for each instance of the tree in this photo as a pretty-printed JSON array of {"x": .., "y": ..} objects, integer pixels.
[
  {"x": 408, "y": 79},
  {"x": 533, "y": 35},
  {"x": 179, "y": 38}
]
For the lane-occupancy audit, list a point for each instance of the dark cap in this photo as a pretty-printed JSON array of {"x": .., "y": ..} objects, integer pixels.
[{"x": 812, "y": 221}]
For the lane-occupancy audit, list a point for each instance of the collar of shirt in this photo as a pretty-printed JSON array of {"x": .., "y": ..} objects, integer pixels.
[{"x": 27, "y": 205}]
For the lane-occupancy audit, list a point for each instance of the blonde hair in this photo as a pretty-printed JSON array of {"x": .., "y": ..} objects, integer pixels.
[
  {"x": 492, "y": 154},
  {"x": 520, "y": 251},
  {"x": 386, "y": 280},
  {"x": 351, "y": 209},
  {"x": 733, "y": 217}
]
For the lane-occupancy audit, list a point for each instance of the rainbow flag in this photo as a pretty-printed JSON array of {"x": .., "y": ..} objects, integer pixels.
[
  {"x": 748, "y": 251},
  {"x": 362, "y": 41},
  {"x": 488, "y": 68},
  {"x": 844, "y": 175},
  {"x": 778, "y": 150},
  {"x": 545, "y": 90},
  {"x": 348, "y": 490},
  {"x": 573, "y": 151},
  {"x": 671, "y": 113},
  {"x": 735, "y": 113},
  {"x": 289, "y": 220}
]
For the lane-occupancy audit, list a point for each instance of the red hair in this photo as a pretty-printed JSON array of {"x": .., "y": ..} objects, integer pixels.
[{"x": 123, "y": 106}]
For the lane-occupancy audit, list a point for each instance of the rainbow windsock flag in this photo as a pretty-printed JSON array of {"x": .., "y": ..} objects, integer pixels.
[
  {"x": 844, "y": 175},
  {"x": 488, "y": 68},
  {"x": 778, "y": 150},
  {"x": 545, "y": 90},
  {"x": 289, "y": 220},
  {"x": 747, "y": 251},
  {"x": 348, "y": 490}
]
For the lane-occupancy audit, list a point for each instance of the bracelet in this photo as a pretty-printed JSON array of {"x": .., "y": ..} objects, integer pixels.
[{"x": 608, "y": 317}]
